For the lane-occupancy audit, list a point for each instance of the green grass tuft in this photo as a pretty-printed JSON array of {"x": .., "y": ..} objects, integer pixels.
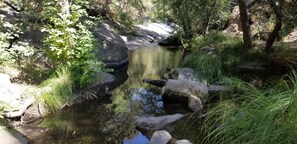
[
  {"x": 256, "y": 116},
  {"x": 57, "y": 90},
  {"x": 208, "y": 67}
]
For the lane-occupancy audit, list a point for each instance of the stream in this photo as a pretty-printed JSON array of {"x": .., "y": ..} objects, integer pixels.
[{"x": 111, "y": 120}]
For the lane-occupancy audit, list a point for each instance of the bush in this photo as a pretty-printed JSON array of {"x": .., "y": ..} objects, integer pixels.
[
  {"x": 12, "y": 53},
  {"x": 70, "y": 42},
  {"x": 256, "y": 116},
  {"x": 219, "y": 41}
]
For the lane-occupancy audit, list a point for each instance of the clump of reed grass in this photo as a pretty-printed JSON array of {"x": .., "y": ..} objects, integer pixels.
[
  {"x": 207, "y": 66},
  {"x": 256, "y": 116},
  {"x": 57, "y": 90}
]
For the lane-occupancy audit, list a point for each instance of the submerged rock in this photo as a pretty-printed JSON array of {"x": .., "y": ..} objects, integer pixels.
[
  {"x": 102, "y": 83},
  {"x": 160, "y": 137},
  {"x": 156, "y": 123}
]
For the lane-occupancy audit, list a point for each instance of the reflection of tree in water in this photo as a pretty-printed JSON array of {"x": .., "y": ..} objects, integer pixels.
[{"x": 117, "y": 119}]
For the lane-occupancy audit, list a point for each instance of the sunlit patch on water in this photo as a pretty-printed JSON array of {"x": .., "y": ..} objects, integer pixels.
[{"x": 149, "y": 102}]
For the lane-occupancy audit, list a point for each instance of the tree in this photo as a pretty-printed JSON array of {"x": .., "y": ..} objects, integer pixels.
[
  {"x": 277, "y": 9},
  {"x": 244, "y": 18},
  {"x": 195, "y": 16}
]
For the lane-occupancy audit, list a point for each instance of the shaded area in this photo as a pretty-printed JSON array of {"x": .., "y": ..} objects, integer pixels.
[{"x": 112, "y": 120}]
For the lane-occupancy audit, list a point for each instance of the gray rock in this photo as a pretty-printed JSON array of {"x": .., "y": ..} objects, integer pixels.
[
  {"x": 160, "y": 137},
  {"x": 158, "y": 83},
  {"x": 217, "y": 88},
  {"x": 209, "y": 49},
  {"x": 186, "y": 91},
  {"x": 156, "y": 123},
  {"x": 12, "y": 137},
  {"x": 9, "y": 93},
  {"x": 182, "y": 73},
  {"x": 171, "y": 41},
  {"x": 113, "y": 51},
  {"x": 194, "y": 103},
  {"x": 183, "y": 142},
  {"x": 102, "y": 83}
]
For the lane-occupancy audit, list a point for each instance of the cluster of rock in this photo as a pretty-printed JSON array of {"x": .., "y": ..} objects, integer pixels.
[
  {"x": 163, "y": 137},
  {"x": 181, "y": 86},
  {"x": 157, "y": 124}
]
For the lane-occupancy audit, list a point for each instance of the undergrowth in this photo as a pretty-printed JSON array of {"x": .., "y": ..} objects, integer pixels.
[
  {"x": 57, "y": 90},
  {"x": 208, "y": 67},
  {"x": 253, "y": 115}
]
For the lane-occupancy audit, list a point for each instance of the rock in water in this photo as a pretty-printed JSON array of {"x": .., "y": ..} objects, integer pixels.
[
  {"x": 158, "y": 83},
  {"x": 190, "y": 92},
  {"x": 183, "y": 142},
  {"x": 182, "y": 73},
  {"x": 160, "y": 137},
  {"x": 156, "y": 123}
]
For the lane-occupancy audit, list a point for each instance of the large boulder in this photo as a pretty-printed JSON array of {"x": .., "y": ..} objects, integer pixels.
[
  {"x": 160, "y": 137},
  {"x": 156, "y": 123},
  {"x": 183, "y": 73},
  {"x": 185, "y": 91},
  {"x": 113, "y": 52},
  {"x": 102, "y": 83},
  {"x": 9, "y": 93},
  {"x": 171, "y": 41}
]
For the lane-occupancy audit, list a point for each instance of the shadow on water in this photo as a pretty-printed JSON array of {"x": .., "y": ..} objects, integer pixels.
[{"x": 112, "y": 120}]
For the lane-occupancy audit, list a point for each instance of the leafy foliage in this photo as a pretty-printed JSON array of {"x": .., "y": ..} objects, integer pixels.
[
  {"x": 195, "y": 16},
  {"x": 70, "y": 42},
  {"x": 11, "y": 53}
]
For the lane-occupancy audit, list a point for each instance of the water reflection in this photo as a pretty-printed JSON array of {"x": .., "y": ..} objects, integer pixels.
[
  {"x": 135, "y": 98},
  {"x": 113, "y": 122}
]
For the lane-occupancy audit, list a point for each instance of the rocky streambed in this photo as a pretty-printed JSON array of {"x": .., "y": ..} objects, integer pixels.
[{"x": 135, "y": 112}]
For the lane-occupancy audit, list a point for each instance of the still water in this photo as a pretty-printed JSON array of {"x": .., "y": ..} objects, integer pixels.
[{"x": 111, "y": 120}]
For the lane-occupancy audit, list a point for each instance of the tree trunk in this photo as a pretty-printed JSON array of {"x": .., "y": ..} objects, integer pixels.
[
  {"x": 278, "y": 24},
  {"x": 244, "y": 18},
  {"x": 208, "y": 18}
]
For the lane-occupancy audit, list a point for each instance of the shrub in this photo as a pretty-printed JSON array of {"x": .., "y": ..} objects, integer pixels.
[
  {"x": 70, "y": 42},
  {"x": 219, "y": 41},
  {"x": 256, "y": 116},
  {"x": 12, "y": 53}
]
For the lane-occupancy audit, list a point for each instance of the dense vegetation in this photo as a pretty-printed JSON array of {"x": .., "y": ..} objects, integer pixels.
[{"x": 263, "y": 113}]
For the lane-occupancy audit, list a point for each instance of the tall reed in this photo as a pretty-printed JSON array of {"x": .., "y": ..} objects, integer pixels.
[{"x": 256, "y": 116}]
